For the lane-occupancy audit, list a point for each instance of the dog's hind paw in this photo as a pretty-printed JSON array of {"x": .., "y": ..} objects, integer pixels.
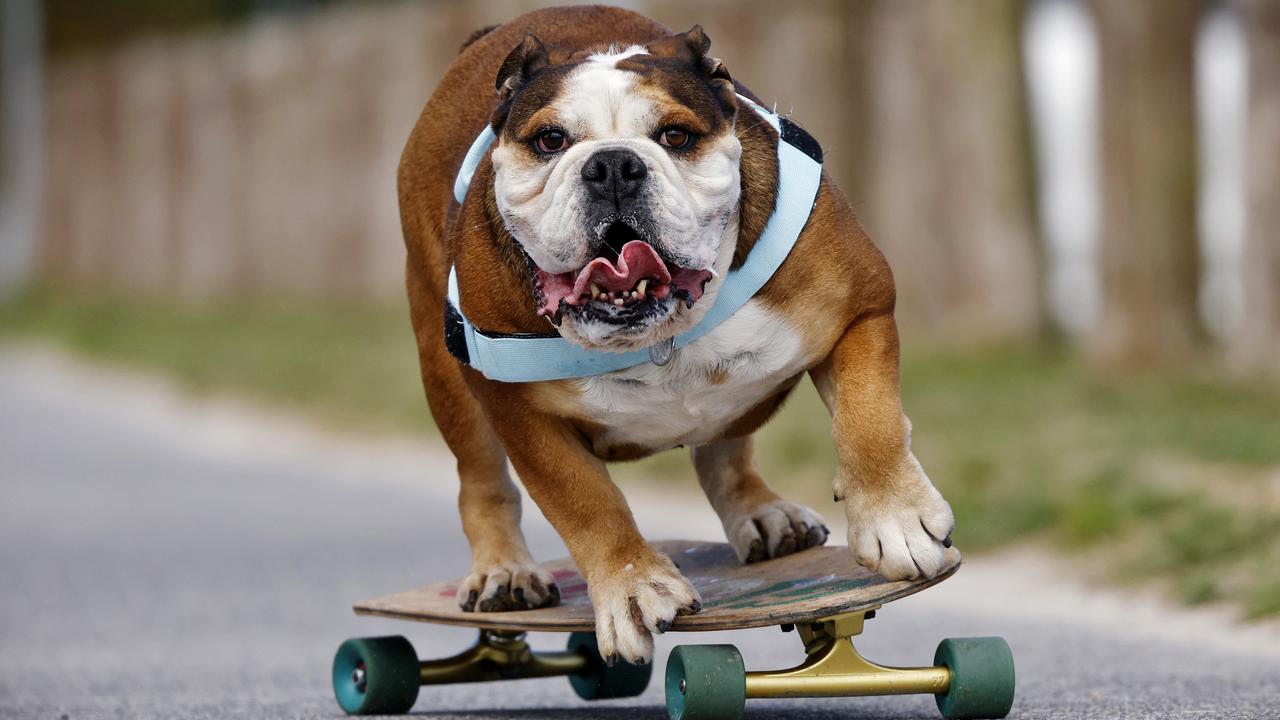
[
  {"x": 775, "y": 529},
  {"x": 508, "y": 586},
  {"x": 638, "y": 598}
]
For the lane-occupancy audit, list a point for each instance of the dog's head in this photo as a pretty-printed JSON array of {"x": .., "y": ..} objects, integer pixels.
[{"x": 617, "y": 174}]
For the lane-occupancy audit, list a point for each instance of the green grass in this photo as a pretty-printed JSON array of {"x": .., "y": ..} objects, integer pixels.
[
  {"x": 350, "y": 365},
  {"x": 1169, "y": 478}
]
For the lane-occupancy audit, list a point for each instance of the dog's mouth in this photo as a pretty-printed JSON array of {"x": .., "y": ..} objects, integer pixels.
[{"x": 626, "y": 282}]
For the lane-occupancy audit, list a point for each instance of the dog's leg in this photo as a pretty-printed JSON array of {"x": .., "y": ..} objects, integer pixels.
[
  {"x": 636, "y": 591},
  {"x": 503, "y": 574},
  {"x": 758, "y": 522},
  {"x": 899, "y": 525}
]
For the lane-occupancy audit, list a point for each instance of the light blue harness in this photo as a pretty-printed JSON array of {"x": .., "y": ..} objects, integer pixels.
[{"x": 531, "y": 357}]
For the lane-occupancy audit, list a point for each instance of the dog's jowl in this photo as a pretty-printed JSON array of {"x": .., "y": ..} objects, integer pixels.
[{"x": 615, "y": 249}]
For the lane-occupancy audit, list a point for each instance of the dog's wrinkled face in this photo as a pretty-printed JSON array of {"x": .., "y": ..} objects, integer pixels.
[{"x": 617, "y": 174}]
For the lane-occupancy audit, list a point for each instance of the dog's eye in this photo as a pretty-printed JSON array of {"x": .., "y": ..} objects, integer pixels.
[
  {"x": 674, "y": 137},
  {"x": 551, "y": 141}
]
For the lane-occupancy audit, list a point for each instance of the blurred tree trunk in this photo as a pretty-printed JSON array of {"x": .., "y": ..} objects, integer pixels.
[
  {"x": 21, "y": 137},
  {"x": 944, "y": 184},
  {"x": 1148, "y": 254},
  {"x": 1257, "y": 343},
  {"x": 854, "y": 87}
]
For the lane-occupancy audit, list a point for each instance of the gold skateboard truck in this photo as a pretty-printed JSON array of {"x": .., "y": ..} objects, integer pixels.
[{"x": 970, "y": 678}]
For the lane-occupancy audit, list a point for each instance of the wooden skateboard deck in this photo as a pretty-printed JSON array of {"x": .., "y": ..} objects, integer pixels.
[{"x": 798, "y": 588}]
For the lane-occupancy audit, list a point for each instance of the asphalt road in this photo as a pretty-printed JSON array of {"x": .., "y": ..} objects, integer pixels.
[{"x": 167, "y": 558}]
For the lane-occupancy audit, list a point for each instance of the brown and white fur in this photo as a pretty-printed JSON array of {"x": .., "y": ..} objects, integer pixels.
[{"x": 609, "y": 78}]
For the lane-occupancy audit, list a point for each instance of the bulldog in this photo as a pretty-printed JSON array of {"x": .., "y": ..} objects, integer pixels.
[{"x": 624, "y": 180}]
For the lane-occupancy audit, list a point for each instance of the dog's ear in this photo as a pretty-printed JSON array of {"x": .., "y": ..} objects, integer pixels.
[
  {"x": 527, "y": 58},
  {"x": 692, "y": 47}
]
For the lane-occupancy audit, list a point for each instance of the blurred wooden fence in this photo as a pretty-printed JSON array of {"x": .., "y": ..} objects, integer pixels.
[
  {"x": 261, "y": 161},
  {"x": 254, "y": 162}
]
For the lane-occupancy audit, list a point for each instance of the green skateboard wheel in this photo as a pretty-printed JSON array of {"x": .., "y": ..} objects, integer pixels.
[
  {"x": 982, "y": 678},
  {"x": 376, "y": 676},
  {"x": 598, "y": 681},
  {"x": 706, "y": 682}
]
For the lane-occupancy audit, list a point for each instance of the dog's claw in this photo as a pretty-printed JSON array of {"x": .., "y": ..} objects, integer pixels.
[
  {"x": 788, "y": 543},
  {"x": 814, "y": 536},
  {"x": 470, "y": 604}
]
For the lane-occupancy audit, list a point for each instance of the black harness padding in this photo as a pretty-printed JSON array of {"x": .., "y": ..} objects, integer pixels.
[
  {"x": 455, "y": 335},
  {"x": 801, "y": 140}
]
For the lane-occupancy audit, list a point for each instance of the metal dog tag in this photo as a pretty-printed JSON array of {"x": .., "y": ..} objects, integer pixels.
[{"x": 662, "y": 353}]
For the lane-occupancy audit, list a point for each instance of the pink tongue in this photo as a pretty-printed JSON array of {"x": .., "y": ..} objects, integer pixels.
[{"x": 636, "y": 261}]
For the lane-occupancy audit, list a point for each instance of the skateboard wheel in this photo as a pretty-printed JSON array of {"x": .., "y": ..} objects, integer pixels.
[
  {"x": 376, "y": 676},
  {"x": 598, "y": 681},
  {"x": 982, "y": 678},
  {"x": 706, "y": 682}
]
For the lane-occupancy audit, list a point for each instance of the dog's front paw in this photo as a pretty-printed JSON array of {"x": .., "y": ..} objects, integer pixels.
[
  {"x": 635, "y": 599},
  {"x": 507, "y": 586},
  {"x": 774, "y": 529},
  {"x": 901, "y": 531}
]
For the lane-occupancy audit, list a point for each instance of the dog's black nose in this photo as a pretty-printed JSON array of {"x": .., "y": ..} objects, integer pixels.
[{"x": 614, "y": 174}]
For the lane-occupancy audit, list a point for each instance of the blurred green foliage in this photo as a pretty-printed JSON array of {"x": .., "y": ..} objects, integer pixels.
[{"x": 1172, "y": 477}]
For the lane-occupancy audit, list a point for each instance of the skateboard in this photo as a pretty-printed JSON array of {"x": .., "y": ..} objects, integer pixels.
[{"x": 819, "y": 594}]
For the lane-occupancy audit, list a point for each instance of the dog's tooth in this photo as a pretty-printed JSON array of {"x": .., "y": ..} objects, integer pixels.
[
  {"x": 643, "y": 284},
  {"x": 619, "y": 301},
  {"x": 595, "y": 290}
]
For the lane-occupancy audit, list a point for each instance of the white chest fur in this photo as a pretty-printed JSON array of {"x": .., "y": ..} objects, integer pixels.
[{"x": 708, "y": 384}]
